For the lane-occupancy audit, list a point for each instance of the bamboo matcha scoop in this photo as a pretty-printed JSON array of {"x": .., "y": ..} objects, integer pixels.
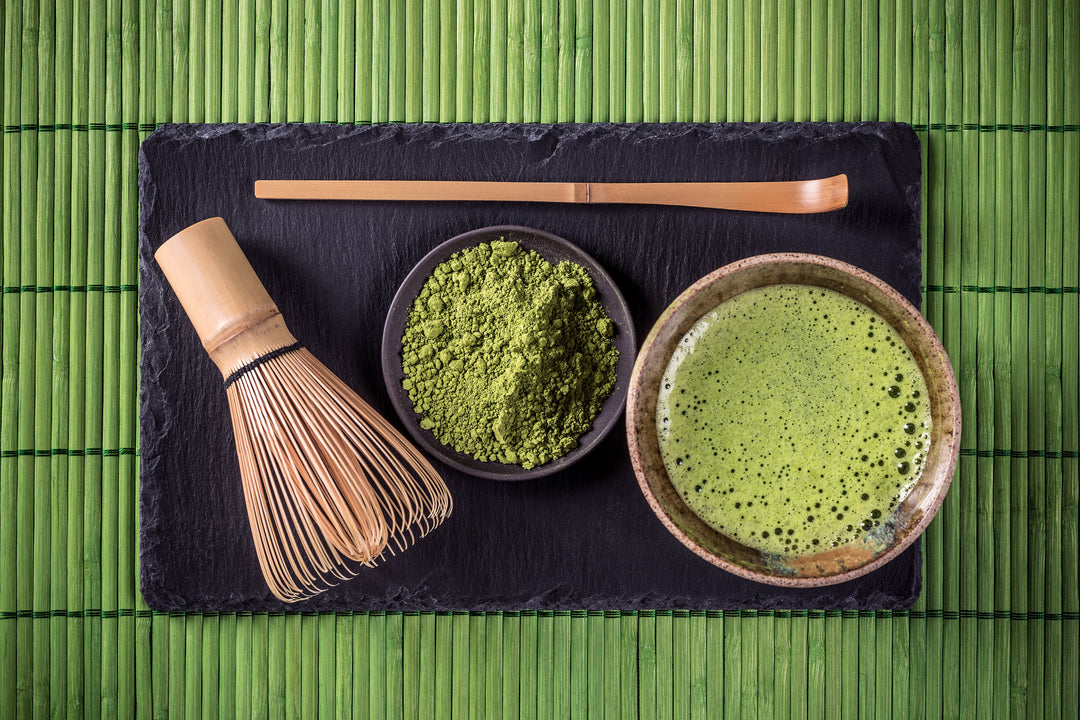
[{"x": 798, "y": 196}]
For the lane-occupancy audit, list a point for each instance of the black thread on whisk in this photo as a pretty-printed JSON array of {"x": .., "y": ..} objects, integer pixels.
[{"x": 259, "y": 361}]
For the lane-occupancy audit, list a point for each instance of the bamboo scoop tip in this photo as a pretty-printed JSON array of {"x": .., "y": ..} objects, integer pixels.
[{"x": 832, "y": 192}]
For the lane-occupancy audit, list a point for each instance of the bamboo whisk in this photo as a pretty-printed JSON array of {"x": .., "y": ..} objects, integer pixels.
[{"x": 328, "y": 483}]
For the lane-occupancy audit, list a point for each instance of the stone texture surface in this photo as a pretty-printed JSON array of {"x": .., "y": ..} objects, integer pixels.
[{"x": 584, "y": 538}]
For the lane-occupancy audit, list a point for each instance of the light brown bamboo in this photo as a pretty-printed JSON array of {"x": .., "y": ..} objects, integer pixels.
[
  {"x": 224, "y": 299},
  {"x": 329, "y": 485},
  {"x": 797, "y": 196}
]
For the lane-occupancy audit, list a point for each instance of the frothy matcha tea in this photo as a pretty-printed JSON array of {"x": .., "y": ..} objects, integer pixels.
[{"x": 793, "y": 419}]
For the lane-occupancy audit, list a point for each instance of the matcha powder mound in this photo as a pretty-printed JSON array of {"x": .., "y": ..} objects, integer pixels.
[{"x": 507, "y": 357}]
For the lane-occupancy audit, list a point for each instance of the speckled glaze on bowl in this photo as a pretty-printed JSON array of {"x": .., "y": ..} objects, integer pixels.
[
  {"x": 849, "y": 560},
  {"x": 554, "y": 249}
]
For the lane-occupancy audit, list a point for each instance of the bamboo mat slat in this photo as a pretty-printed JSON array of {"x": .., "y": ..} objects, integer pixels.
[{"x": 992, "y": 91}]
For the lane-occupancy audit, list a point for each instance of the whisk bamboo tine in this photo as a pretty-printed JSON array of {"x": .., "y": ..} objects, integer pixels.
[
  {"x": 286, "y": 557},
  {"x": 308, "y": 462},
  {"x": 329, "y": 485},
  {"x": 403, "y": 511}
]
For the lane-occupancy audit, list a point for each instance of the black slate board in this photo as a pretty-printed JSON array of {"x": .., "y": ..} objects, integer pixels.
[{"x": 584, "y": 538}]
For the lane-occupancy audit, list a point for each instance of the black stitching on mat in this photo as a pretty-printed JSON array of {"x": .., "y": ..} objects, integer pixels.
[
  {"x": 918, "y": 127},
  {"x": 124, "y": 287},
  {"x": 1015, "y": 290},
  {"x": 69, "y": 452},
  {"x": 748, "y": 614}
]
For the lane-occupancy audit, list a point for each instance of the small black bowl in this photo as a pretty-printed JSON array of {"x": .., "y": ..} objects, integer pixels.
[{"x": 553, "y": 249}]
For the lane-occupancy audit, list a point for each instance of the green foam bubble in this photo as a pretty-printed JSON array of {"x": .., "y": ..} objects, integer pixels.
[{"x": 782, "y": 392}]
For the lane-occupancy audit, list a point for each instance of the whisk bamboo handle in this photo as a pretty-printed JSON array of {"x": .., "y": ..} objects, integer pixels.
[
  {"x": 224, "y": 299},
  {"x": 798, "y": 196}
]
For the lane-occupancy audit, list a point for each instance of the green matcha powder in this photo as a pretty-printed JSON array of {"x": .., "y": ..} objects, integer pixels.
[{"x": 507, "y": 357}]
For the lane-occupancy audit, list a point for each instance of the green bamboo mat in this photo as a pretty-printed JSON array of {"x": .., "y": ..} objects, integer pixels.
[{"x": 992, "y": 90}]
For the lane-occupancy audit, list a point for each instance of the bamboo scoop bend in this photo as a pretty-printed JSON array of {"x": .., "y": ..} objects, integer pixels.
[{"x": 801, "y": 196}]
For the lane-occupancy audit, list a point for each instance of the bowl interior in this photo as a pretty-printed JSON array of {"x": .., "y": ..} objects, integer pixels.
[
  {"x": 553, "y": 249},
  {"x": 847, "y": 561}
]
